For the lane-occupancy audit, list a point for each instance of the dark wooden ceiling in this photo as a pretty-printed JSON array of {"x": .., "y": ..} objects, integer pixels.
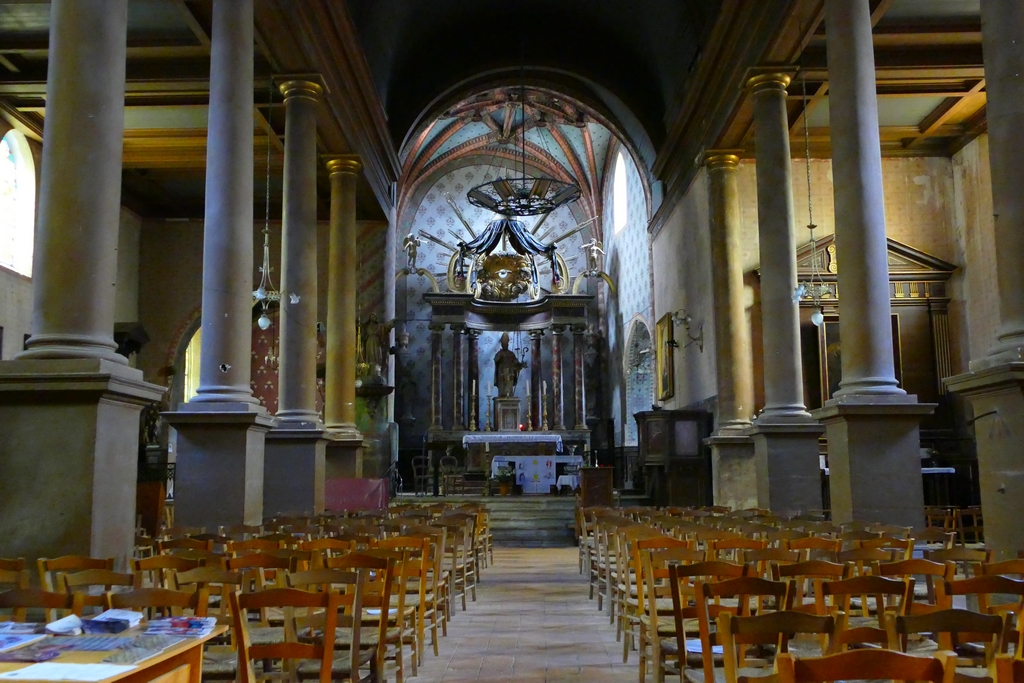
[{"x": 670, "y": 79}]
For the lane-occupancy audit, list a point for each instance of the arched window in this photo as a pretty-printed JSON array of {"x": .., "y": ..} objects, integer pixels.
[
  {"x": 620, "y": 209},
  {"x": 17, "y": 203},
  {"x": 192, "y": 365}
]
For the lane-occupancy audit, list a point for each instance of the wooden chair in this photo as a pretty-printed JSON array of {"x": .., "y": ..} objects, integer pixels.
[
  {"x": 160, "y": 602},
  {"x": 970, "y": 525},
  {"x": 1009, "y": 669},
  {"x": 966, "y": 559},
  {"x": 417, "y": 577},
  {"x": 20, "y": 600},
  {"x": 83, "y": 581},
  {"x": 657, "y": 627},
  {"x": 251, "y": 546},
  {"x": 462, "y": 562},
  {"x": 683, "y": 580},
  {"x": 242, "y": 532},
  {"x": 631, "y": 543},
  {"x": 144, "y": 546},
  {"x": 183, "y": 543},
  {"x": 218, "y": 543},
  {"x": 217, "y": 583},
  {"x": 866, "y": 665},
  {"x": 816, "y": 548},
  {"x": 375, "y": 593},
  {"x": 709, "y": 607},
  {"x": 181, "y": 531},
  {"x": 933, "y": 573},
  {"x": 13, "y": 575},
  {"x": 157, "y": 571},
  {"x": 206, "y": 558},
  {"x": 763, "y": 559},
  {"x": 51, "y": 572},
  {"x": 899, "y": 548},
  {"x": 421, "y": 474},
  {"x": 984, "y": 587},
  {"x": 951, "y": 628},
  {"x": 320, "y": 651},
  {"x": 933, "y": 538},
  {"x": 731, "y": 549},
  {"x": 813, "y": 574},
  {"x": 1011, "y": 568},
  {"x": 738, "y": 633},
  {"x": 892, "y": 598}
]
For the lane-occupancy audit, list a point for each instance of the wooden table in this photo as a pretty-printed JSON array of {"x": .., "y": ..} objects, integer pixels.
[{"x": 181, "y": 663}]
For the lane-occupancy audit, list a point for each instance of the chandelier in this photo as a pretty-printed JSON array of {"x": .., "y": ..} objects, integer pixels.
[
  {"x": 266, "y": 293},
  {"x": 525, "y": 195},
  {"x": 815, "y": 286}
]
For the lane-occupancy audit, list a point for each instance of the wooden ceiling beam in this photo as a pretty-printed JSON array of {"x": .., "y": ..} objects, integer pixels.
[{"x": 193, "y": 24}]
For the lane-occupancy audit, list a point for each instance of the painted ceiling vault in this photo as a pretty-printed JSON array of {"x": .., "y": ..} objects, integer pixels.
[{"x": 563, "y": 140}]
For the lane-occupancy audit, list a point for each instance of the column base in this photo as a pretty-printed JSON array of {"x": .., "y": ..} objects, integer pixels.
[
  {"x": 996, "y": 395},
  {"x": 344, "y": 455},
  {"x": 788, "y": 465},
  {"x": 294, "y": 466},
  {"x": 733, "y": 469},
  {"x": 220, "y": 464},
  {"x": 69, "y": 450},
  {"x": 874, "y": 455}
]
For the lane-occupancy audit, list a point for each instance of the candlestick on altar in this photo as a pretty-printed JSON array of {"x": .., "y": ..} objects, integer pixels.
[
  {"x": 544, "y": 411},
  {"x": 544, "y": 388},
  {"x": 487, "y": 415},
  {"x": 529, "y": 416}
]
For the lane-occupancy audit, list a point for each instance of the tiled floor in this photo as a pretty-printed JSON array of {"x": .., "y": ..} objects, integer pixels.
[{"x": 532, "y": 621}]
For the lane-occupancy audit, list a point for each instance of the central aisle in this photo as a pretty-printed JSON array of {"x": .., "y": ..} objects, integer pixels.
[{"x": 532, "y": 621}]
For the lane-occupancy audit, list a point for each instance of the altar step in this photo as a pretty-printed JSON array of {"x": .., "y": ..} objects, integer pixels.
[{"x": 529, "y": 521}]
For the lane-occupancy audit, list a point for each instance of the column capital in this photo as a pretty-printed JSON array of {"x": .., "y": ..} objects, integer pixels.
[
  {"x": 579, "y": 329},
  {"x": 301, "y": 87},
  {"x": 457, "y": 328},
  {"x": 436, "y": 328},
  {"x": 343, "y": 163},
  {"x": 558, "y": 329},
  {"x": 536, "y": 334},
  {"x": 760, "y": 79},
  {"x": 716, "y": 159},
  {"x": 472, "y": 333}
]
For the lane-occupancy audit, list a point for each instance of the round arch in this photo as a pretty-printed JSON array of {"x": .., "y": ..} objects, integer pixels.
[{"x": 639, "y": 374}]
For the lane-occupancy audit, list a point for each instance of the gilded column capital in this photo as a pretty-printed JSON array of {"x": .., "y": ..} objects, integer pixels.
[
  {"x": 298, "y": 87},
  {"x": 716, "y": 159},
  {"x": 774, "y": 80},
  {"x": 343, "y": 163}
]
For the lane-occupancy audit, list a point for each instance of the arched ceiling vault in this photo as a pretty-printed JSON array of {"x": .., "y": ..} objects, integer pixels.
[{"x": 564, "y": 139}]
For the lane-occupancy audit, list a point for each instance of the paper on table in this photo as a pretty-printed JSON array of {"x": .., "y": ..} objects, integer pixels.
[
  {"x": 52, "y": 671},
  {"x": 9, "y": 642},
  {"x": 68, "y": 626},
  {"x": 133, "y": 618}
]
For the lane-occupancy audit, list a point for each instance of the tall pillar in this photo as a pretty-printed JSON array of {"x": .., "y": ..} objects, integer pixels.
[
  {"x": 536, "y": 367},
  {"x": 473, "y": 377},
  {"x": 294, "y": 461},
  {"x": 578, "y": 348},
  {"x": 995, "y": 384},
  {"x": 70, "y": 405},
  {"x": 872, "y": 424},
  {"x": 297, "y": 378},
  {"x": 458, "y": 379},
  {"x": 340, "y": 395},
  {"x": 221, "y": 432},
  {"x": 733, "y": 469},
  {"x": 785, "y": 436},
  {"x": 435, "y": 377},
  {"x": 558, "y": 416}
]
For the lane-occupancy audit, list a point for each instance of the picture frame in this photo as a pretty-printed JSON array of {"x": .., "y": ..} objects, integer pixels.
[{"x": 665, "y": 358}]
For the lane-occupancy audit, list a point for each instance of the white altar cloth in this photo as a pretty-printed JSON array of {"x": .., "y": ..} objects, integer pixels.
[
  {"x": 513, "y": 437},
  {"x": 535, "y": 473}
]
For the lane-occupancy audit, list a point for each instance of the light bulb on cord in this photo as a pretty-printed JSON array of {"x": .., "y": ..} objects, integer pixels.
[
  {"x": 263, "y": 322},
  {"x": 817, "y": 317}
]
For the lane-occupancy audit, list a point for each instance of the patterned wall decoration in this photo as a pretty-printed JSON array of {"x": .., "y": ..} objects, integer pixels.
[
  {"x": 372, "y": 281},
  {"x": 639, "y": 376},
  {"x": 266, "y": 349},
  {"x": 628, "y": 261}
]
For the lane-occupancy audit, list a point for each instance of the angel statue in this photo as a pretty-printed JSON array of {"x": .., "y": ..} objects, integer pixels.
[
  {"x": 593, "y": 248},
  {"x": 411, "y": 245},
  {"x": 374, "y": 338}
]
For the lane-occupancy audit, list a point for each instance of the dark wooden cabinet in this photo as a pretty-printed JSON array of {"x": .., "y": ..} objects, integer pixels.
[
  {"x": 596, "y": 486},
  {"x": 675, "y": 462}
]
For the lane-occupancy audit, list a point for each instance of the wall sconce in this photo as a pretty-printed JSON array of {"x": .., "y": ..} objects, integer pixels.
[{"x": 681, "y": 317}]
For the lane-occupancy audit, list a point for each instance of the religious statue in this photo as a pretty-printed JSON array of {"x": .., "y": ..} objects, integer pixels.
[
  {"x": 593, "y": 248},
  {"x": 411, "y": 245},
  {"x": 506, "y": 369},
  {"x": 374, "y": 342}
]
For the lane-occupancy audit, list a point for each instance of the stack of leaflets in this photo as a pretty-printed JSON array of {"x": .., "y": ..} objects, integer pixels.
[
  {"x": 191, "y": 627},
  {"x": 10, "y": 642}
]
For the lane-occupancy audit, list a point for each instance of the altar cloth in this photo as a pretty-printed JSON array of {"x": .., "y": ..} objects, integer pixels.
[{"x": 513, "y": 437}]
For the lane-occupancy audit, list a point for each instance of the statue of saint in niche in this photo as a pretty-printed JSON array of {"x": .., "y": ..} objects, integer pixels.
[{"x": 506, "y": 369}]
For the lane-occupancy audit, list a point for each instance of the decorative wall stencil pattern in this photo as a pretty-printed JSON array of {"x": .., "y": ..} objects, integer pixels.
[{"x": 628, "y": 261}]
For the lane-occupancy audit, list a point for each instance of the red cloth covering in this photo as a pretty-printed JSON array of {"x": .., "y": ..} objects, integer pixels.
[{"x": 356, "y": 494}]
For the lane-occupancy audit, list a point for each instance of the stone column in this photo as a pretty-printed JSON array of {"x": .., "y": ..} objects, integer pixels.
[
  {"x": 473, "y": 377},
  {"x": 297, "y": 378},
  {"x": 70, "y": 405},
  {"x": 578, "y": 348},
  {"x": 558, "y": 411},
  {"x": 995, "y": 384},
  {"x": 536, "y": 367},
  {"x": 872, "y": 425},
  {"x": 458, "y": 379},
  {"x": 340, "y": 394},
  {"x": 294, "y": 462},
  {"x": 221, "y": 432},
  {"x": 733, "y": 468},
  {"x": 785, "y": 435},
  {"x": 435, "y": 377}
]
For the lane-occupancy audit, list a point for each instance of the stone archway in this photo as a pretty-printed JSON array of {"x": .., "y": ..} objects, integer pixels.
[{"x": 639, "y": 376}]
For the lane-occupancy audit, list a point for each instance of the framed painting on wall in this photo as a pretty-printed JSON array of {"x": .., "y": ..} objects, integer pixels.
[{"x": 664, "y": 358}]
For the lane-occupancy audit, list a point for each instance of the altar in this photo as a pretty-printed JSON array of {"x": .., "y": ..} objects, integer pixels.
[{"x": 535, "y": 473}]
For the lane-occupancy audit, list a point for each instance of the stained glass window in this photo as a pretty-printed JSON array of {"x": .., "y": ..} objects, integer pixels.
[{"x": 17, "y": 203}]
